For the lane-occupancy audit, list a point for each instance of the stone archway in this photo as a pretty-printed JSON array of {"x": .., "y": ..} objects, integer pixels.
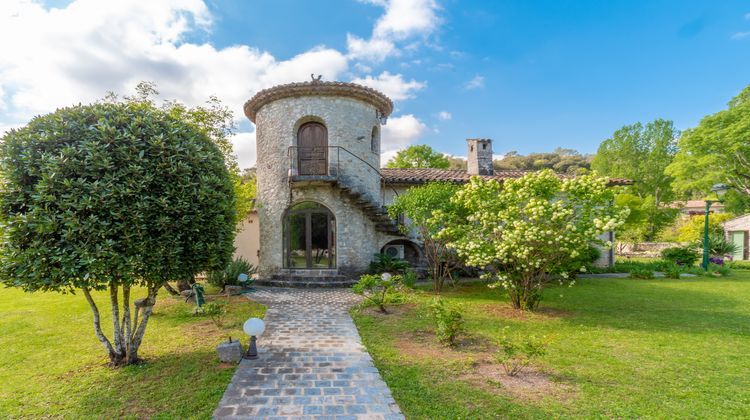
[
  {"x": 309, "y": 236},
  {"x": 412, "y": 253}
]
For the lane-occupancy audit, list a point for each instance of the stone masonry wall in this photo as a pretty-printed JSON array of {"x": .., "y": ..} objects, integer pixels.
[{"x": 349, "y": 123}]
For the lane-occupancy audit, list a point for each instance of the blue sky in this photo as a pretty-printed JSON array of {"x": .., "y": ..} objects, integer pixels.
[{"x": 531, "y": 75}]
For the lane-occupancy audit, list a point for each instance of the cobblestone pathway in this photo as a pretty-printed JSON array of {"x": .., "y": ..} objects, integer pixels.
[{"x": 311, "y": 363}]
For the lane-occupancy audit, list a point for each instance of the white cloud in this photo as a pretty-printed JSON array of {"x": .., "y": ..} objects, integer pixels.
[
  {"x": 403, "y": 19},
  {"x": 393, "y": 85},
  {"x": 77, "y": 53},
  {"x": 375, "y": 50},
  {"x": 399, "y": 133},
  {"x": 444, "y": 115},
  {"x": 244, "y": 147},
  {"x": 476, "y": 83},
  {"x": 740, "y": 35}
]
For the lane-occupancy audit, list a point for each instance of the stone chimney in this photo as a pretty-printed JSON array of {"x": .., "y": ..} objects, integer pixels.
[{"x": 479, "y": 157}]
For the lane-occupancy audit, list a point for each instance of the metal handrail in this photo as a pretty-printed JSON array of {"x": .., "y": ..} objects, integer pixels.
[{"x": 293, "y": 160}]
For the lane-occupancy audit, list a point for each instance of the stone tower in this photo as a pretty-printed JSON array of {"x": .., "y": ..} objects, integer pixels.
[
  {"x": 319, "y": 185},
  {"x": 479, "y": 157}
]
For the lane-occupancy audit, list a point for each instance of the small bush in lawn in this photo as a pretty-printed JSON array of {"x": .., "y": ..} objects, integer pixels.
[
  {"x": 449, "y": 321},
  {"x": 738, "y": 265},
  {"x": 719, "y": 270},
  {"x": 672, "y": 271},
  {"x": 641, "y": 273},
  {"x": 217, "y": 311},
  {"x": 516, "y": 355},
  {"x": 680, "y": 255},
  {"x": 377, "y": 289},
  {"x": 409, "y": 278}
]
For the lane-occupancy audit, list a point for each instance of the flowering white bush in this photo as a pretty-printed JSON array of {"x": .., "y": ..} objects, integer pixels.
[{"x": 524, "y": 231}]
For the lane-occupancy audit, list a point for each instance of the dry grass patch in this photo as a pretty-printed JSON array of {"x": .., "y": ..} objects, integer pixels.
[{"x": 530, "y": 385}]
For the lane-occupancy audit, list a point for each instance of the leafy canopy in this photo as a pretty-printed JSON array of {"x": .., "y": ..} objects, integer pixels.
[
  {"x": 524, "y": 230},
  {"x": 112, "y": 193},
  {"x": 716, "y": 151},
  {"x": 566, "y": 161},
  {"x": 418, "y": 156}
]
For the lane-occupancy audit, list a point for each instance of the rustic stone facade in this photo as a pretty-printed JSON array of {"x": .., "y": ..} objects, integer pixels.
[{"x": 353, "y": 158}]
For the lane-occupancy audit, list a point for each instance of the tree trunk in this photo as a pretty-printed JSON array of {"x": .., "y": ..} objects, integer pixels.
[
  {"x": 147, "y": 306},
  {"x": 98, "y": 326},
  {"x": 170, "y": 289},
  {"x": 183, "y": 285}
]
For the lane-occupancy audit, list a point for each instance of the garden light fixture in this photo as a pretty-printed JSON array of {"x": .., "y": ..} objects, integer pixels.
[
  {"x": 253, "y": 327},
  {"x": 719, "y": 190}
]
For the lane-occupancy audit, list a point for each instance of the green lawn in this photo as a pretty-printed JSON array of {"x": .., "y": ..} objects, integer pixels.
[
  {"x": 620, "y": 348},
  {"x": 52, "y": 365}
]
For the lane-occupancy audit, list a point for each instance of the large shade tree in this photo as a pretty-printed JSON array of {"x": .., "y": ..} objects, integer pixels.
[
  {"x": 641, "y": 153},
  {"x": 419, "y": 156},
  {"x": 716, "y": 151},
  {"x": 113, "y": 196},
  {"x": 526, "y": 232}
]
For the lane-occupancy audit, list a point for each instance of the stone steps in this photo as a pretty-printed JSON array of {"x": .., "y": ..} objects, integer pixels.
[
  {"x": 308, "y": 280},
  {"x": 373, "y": 210}
]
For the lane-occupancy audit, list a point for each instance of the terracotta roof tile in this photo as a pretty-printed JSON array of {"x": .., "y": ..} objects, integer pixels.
[
  {"x": 412, "y": 176},
  {"x": 318, "y": 88}
]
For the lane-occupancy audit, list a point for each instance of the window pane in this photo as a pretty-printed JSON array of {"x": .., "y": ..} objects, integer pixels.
[
  {"x": 319, "y": 235},
  {"x": 296, "y": 258}
]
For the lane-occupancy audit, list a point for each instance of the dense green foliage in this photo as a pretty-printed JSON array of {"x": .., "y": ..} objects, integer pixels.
[
  {"x": 419, "y": 204},
  {"x": 619, "y": 348},
  {"x": 382, "y": 263},
  {"x": 525, "y": 232},
  {"x": 418, "y": 156},
  {"x": 112, "y": 195},
  {"x": 716, "y": 151},
  {"x": 564, "y": 161},
  {"x": 641, "y": 153},
  {"x": 229, "y": 274},
  {"x": 693, "y": 229},
  {"x": 681, "y": 255}
]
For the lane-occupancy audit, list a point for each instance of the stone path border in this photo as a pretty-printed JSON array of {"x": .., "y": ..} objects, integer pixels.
[{"x": 311, "y": 363}]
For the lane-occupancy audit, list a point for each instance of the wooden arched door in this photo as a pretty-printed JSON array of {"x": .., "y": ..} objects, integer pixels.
[{"x": 312, "y": 149}]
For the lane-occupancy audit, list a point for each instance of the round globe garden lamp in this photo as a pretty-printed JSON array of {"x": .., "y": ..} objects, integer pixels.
[
  {"x": 253, "y": 327},
  {"x": 720, "y": 190}
]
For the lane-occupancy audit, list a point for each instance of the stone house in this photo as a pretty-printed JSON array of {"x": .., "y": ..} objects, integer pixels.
[{"x": 321, "y": 195}]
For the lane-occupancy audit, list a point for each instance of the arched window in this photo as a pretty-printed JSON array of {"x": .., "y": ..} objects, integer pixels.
[
  {"x": 375, "y": 140},
  {"x": 312, "y": 149},
  {"x": 309, "y": 236}
]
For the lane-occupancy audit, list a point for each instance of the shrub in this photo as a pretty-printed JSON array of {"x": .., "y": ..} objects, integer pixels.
[
  {"x": 582, "y": 262},
  {"x": 738, "y": 265},
  {"x": 641, "y": 273},
  {"x": 516, "y": 355},
  {"x": 217, "y": 311},
  {"x": 718, "y": 270},
  {"x": 376, "y": 288},
  {"x": 449, "y": 321},
  {"x": 228, "y": 276},
  {"x": 383, "y": 263},
  {"x": 680, "y": 255},
  {"x": 112, "y": 196},
  {"x": 719, "y": 246},
  {"x": 409, "y": 278},
  {"x": 672, "y": 271}
]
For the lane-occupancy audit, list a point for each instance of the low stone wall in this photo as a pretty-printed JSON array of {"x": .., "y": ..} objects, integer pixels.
[{"x": 644, "y": 249}]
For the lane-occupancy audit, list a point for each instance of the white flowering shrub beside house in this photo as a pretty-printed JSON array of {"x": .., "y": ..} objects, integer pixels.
[{"x": 525, "y": 231}]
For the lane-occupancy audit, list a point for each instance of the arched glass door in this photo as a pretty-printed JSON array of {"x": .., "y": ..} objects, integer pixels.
[{"x": 309, "y": 237}]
